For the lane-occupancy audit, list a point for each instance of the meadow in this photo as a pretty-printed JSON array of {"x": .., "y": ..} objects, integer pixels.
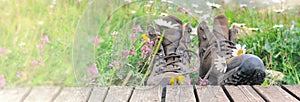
[{"x": 49, "y": 42}]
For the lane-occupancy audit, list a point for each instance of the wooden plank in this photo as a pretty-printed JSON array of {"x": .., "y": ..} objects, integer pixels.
[
  {"x": 243, "y": 93},
  {"x": 274, "y": 94},
  {"x": 98, "y": 94},
  {"x": 118, "y": 94},
  {"x": 211, "y": 94},
  {"x": 42, "y": 94},
  {"x": 294, "y": 89},
  {"x": 73, "y": 94},
  {"x": 13, "y": 94},
  {"x": 147, "y": 94},
  {"x": 180, "y": 93}
]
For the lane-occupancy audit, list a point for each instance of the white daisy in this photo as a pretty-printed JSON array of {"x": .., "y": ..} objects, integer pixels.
[
  {"x": 162, "y": 22},
  {"x": 213, "y": 5},
  {"x": 220, "y": 64},
  {"x": 239, "y": 50},
  {"x": 277, "y": 26},
  {"x": 195, "y": 5},
  {"x": 243, "y": 5},
  {"x": 279, "y": 11},
  {"x": 253, "y": 29}
]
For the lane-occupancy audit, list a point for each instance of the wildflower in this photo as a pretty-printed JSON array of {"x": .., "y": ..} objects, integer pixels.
[
  {"x": 40, "y": 46},
  {"x": 278, "y": 26},
  {"x": 145, "y": 37},
  {"x": 4, "y": 51},
  {"x": 213, "y": 5},
  {"x": 133, "y": 11},
  {"x": 126, "y": 52},
  {"x": 40, "y": 22},
  {"x": 112, "y": 64},
  {"x": 22, "y": 75},
  {"x": 164, "y": 23},
  {"x": 239, "y": 50},
  {"x": 180, "y": 79},
  {"x": 22, "y": 44},
  {"x": 129, "y": 1},
  {"x": 279, "y": 11},
  {"x": 253, "y": 29},
  {"x": 150, "y": 42},
  {"x": 183, "y": 10},
  {"x": 145, "y": 49},
  {"x": 299, "y": 13},
  {"x": 243, "y": 5},
  {"x": 92, "y": 70},
  {"x": 2, "y": 80},
  {"x": 220, "y": 64},
  {"x": 163, "y": 14},
  {"x": 151, "y": 2},
  {"x": 138, "y": 29},
  {"x": 195, "y": 5},
  {"x": 34, "y": 63},
  {"x": 172, "y": 80},
  {"x": 132, "y": 35},
  {"x": 45, "y": 39},
  {"x": 132, "y": 52},
  {"x": 115, "y": 33},
  {"x": 97, "y": 40},
  {"x": 198, "y": 12}
]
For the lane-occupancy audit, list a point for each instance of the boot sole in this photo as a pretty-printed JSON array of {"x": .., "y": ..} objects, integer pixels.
[{"x": 246, "y": 77}]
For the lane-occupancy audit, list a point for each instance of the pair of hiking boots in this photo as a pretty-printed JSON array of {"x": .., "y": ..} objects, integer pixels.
[{"x": 219, "y": 60}]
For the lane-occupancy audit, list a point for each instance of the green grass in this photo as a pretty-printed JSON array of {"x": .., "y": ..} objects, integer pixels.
[{"x": 19, "y": 21}]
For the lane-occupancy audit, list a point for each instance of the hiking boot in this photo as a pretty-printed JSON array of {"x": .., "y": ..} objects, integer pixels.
[
  {"x": 172, "y": 61},
  {"x": 218, "y": 62}
]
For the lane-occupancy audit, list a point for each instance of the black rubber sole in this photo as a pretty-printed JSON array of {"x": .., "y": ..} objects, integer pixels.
[{"x": 246, "y": 77}]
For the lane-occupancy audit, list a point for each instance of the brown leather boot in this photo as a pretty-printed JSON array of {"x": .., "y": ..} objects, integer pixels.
[
  {"x": 172, "y": 62},
  {"x": 218, "y": 62}
]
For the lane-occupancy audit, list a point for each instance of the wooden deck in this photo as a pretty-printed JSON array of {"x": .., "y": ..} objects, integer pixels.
[{"x": 286, "y": 93}]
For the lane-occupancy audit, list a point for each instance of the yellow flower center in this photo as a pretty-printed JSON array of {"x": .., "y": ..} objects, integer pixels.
[
  {"x": 240, "y": 52},
  {"x": 223, "y": 64}
]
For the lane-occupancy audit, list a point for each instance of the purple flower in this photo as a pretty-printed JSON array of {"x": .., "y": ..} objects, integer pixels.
[
  {"x": 150, "y": 42},
  {"x": 2, "y": 80},
  {"x": 138, "y": 29},
  {"x": 222, "y": 0},
  {"x": 45, "y": 39},
  {"x": 92, "y": 70}
]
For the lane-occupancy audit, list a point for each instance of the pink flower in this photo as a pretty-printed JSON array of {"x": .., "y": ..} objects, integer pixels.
[
  {"x": 132, "y": 35},
  {"x": 45, "y": 39},
  {"x": 299, "y": 13},
  {"x": 96, "y": 40},
  {"x": 2, "y": 80},
  {"x": 138, "y": 29},
  {"x": 112, "y": 64},
  {"x": 4, "y": 51},
  {"x": 34, "y": 63},
  {"x": 40, "y": 47},
  {"x": 22, "y": 75},
  {"x": 150, "y": 42},
  {"x": 92, "y": 70},
  {"x": 145, "y": 49},
  {"x": 132, "y": 52},
  {"x": 127, "y": 52},
  {"x": 158, "y": 37}
]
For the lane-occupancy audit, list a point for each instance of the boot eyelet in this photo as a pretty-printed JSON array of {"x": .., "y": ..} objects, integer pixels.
[{"x": 204, "y": 37}]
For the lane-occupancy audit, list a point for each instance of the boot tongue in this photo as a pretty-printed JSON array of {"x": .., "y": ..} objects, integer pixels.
[
  {"x": 171, "y": 26},
  {"x": 220, "y": 27}
]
